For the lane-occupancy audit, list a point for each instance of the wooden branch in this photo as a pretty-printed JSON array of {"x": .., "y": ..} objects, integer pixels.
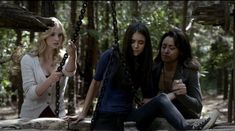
[
  {"x": 15, "y": 17},
  {"x": 211, "y": 15}
]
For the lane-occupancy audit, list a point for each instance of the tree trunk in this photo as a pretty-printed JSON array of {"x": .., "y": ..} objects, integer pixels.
[
  {"x": 226, "y": 83},
  {"x": 16, "y": 79},
  {"x": 106, "y": 43},
  {"x": 48, "y": 9},
  {"x": 135, "y": 12},
  {"x": 90, "y": 47},
  {"x": 71, "y": 96},
  {"x": 170, "y": 5},
  {"x": 90, "y": 50},
  {"x": 71, "y": 83},
  {"x": 185, "y": 9},
  {"x": 15, "y": 73},
  {"x": 219, "y": 79},
  {"x": 82, "y": 60},
  {"x": 233, "y": 96},
  {"x": 230, "y": 100},
  {"x": 33, "y": 6}
]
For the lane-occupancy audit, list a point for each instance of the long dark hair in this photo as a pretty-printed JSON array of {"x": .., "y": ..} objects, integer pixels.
[
  {"x": 182, "y": 43},
  {"x": 139, "y": 66}
]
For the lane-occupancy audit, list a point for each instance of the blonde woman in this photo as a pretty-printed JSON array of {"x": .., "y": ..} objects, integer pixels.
[{"x": 39, "y": 74}]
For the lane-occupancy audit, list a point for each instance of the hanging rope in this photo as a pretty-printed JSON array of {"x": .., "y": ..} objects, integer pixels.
[{"x": 73, "y": 39}]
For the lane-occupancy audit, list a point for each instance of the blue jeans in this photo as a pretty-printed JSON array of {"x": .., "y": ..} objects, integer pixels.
[
  {"x": 144, "y": 116},
  {"x": 110, "y": 121}
]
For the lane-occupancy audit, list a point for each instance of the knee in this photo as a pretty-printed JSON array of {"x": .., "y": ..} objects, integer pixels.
[{"x": 162, "y": 98}]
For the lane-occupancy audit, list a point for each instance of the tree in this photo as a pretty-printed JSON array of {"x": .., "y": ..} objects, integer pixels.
[{"x": 72, "y": 83}]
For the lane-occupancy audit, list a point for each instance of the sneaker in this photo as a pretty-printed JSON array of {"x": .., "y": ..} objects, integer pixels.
[{"x": 200, "y": 123}]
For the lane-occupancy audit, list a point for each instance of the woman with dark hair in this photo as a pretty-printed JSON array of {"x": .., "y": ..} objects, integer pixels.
[
  {"x": 176, "y": 71},
  {"x": 115, "y": 104}
]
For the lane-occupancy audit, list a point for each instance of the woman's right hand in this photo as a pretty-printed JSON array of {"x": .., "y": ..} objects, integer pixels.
[
  {"x": 77, "y": 118},
  {"x": 55, "y": 76},
  {"x": 71, "y": 49}
]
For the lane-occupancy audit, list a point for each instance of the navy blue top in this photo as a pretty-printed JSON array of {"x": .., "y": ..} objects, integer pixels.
[{"x": 114, "y": 99}]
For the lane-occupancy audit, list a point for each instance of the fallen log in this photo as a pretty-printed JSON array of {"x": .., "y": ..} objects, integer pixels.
[
  {"x": 84, "y": 125},
  {"x": 52, "y": 124},
  {"x": 39, "y": 123}
]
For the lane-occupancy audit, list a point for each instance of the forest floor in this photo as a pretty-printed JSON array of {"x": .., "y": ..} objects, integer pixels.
[{"x": 209, "y": 104}]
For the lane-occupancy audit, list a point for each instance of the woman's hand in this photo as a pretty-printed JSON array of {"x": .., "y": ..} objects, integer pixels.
[
  {"x": 179, "y": 88},
  {"x": 55, "y": 76},
  {"x": 146, "y": 100},
  {"x": 71, "y": 49},
  {"x": 76, "y": 118}
]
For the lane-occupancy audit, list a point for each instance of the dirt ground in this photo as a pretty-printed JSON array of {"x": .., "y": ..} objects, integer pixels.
[{"x": 209, "y": 104}]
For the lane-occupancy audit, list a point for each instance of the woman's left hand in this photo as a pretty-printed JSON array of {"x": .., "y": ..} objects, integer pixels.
[
  {"x": 66, "y": 118},
  {"x": 71, "y": 49}
]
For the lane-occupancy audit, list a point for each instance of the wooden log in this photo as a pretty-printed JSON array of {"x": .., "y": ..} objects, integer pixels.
[
  {"x": 84, "y": 125},
  {"x": 45, "y": 123},
  {"x": 15, "y": 17},
  {"x": 39, "y": 123},
  {"x": 230, "y": 97},
  {"x": 212, "y": 9},
  {"x": 52, "y": 124},
  {"x": 11, "y": 124},
  {"x": 225, "y": 127},
  {"x": 59, "y": 124},
  {"x": 216, "y": 14}
]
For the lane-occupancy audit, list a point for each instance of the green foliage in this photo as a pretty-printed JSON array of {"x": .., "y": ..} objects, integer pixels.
[
  {"x": 213, "y": 49},
  {"x": 159, "y": 18},
  {"x": 7, "y": 38},
  {"x": 7, "y": 48}
]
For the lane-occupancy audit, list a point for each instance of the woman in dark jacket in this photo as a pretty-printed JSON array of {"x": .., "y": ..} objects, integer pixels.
[{"x": 176, "y": 71}]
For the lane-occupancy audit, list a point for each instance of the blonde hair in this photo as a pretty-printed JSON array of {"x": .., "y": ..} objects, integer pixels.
[{"x": 40, "y": 49}]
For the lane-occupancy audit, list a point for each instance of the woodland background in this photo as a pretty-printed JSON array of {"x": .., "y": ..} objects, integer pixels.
[{"x": 211, "y": 44}]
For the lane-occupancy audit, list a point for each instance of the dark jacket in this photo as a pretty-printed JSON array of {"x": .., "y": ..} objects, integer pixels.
[{"x": 190, "y": 105}]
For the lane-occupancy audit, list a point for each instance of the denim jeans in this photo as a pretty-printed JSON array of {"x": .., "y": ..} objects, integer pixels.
[
  {"x": 110, "y": 121},
  {"x": 159, "y": 105},
  {"x": 144, "y": 116}
]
